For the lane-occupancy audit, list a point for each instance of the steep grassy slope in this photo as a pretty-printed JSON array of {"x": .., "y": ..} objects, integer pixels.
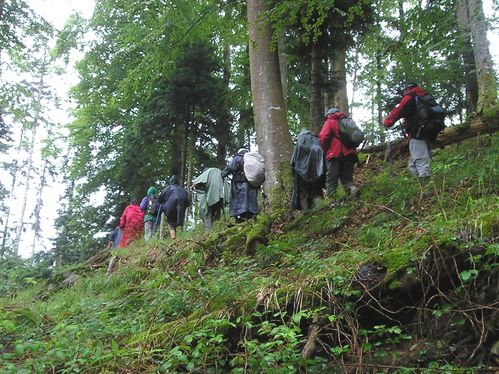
[{"x": 395, "y": 281}]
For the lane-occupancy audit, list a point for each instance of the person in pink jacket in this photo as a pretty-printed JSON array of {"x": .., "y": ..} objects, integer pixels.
[{"x": 131, "y": 223}]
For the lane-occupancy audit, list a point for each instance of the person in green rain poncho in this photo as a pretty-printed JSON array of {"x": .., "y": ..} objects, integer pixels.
[{"x": 213, "y": 193}]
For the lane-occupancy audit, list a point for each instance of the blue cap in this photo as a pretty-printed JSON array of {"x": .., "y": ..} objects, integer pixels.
[{"x": 332, "y": 111}]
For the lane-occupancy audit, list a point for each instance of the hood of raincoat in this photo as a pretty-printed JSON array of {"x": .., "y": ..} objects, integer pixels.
[{"x": 308, "y": 157}]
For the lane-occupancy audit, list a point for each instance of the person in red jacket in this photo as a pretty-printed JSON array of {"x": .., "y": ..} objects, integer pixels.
[
  {"x": 340, "y": 159},
  {"x": 131, "y": 223},
  {"x": 419, "y": 160}
]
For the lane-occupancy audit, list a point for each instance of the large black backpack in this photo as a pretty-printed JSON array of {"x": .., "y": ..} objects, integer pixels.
[{"x": 431, "y": 118}]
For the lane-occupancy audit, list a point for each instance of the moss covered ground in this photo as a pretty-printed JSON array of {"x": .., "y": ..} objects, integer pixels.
[{"x": 399, "y": 280}]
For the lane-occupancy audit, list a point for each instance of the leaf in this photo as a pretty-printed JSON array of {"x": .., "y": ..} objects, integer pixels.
[
  {"x": 19, "y": 349},
  {"x": 8, "y": 325},
  {"x": 468, "y": 274},
  {"x": 115, "y": 347}
]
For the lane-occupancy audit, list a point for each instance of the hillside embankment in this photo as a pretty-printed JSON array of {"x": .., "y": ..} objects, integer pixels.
[{"x": 402, "y": 279}]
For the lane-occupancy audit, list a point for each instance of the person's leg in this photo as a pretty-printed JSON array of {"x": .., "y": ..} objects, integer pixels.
[
  {"x": 173, "y": 231},
  {"x": 333, "y": 174},
  {"x": 208, "y": 219},
  {"x": 147, "y": 230},
  {"x": 419, "y": 160},
  {"x": 346, "y": 172}
]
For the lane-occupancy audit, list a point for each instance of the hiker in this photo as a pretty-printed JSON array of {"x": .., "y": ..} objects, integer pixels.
[
  {"x": 114, "y": 237},
  {"x": 149, "y": 205},
  {"x": 307, "y": 170},
  {"x": 213, "y": 193},
  {"x": 131, "y": 223},
  {"x": 174, "y": 201},
  {"x": 243, "y": 203},
  {"x": 340, "y": 159},
  {"x": 419, "y": 159}
]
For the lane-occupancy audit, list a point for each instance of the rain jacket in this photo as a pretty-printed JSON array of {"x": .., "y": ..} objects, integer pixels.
[
  {"x": 307, "y": 167},
  {"x": 211, "y": 188},
  {"x": 308, "y": 158},
  {"x": 330, "y": 138},
  {"x": 406, "y": 109},
  {"x": 175, "y": 203},
  {"x": 243, "y": 196},
  {"x": 131, "y": 224}
]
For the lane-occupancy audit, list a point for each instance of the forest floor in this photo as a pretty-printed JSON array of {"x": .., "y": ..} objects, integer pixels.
[{"x": 402, "y": 280}]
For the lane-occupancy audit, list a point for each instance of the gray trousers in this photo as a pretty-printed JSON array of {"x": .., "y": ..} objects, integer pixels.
[
  {"x": 419, "y": 160},
  {"x": 148, "y": 230}
]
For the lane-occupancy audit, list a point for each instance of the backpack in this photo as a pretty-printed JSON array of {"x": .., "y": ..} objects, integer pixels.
[
  {"x": 254, "y": 168},
  {"x": 431, "y": 118},
  {"x": 152, "y": 207},
  {"x": 350, "y": 134}
]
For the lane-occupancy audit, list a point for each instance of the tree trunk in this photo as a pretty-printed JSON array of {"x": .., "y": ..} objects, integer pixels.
[
  {"x": 340, "y": 99},
  {"x": 471, "y": 83},
  {"x": 24, "y": 201},
  {"x": 283, "y": 64},
  {"x": 14, "y": 170},
  {"x": 487, "y": 85},
  {"x": 273, "y": 137},
  {"x": 316, "y": 110}
]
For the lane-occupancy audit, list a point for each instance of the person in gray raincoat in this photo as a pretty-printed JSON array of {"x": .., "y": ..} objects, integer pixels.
[
  {"x": 213, "y": 192},
  {"x": 243, "y": 196},
  {"x": 174, "y": 201},
  {"x": 308, "y": 170}
]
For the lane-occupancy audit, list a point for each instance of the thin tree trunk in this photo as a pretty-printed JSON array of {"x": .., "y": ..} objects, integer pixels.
[
  {"x": 38, "y": 208},
  {"x": 354, "y": 80},
  {"x": 36, "y": 121},
  {"x": 273, "y": 137},
  {"x": 487, "y": 85},
  {"x": 340, "y": 72},
  {"x": 471, "y": 82},
  {"x": 11, "y": 195},
  {"x": 29, "y": 168},
  {"x": 316, "y": 110}
]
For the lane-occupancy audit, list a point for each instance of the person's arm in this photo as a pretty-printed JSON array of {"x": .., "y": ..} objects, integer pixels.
[
  {"x": 396, "y": 113},
  {"x": 325, "y": 135},
  {"x": 123, "y": 219},
  {"x": 143, "y": 203},
  {"x": 230, "y": 169}
]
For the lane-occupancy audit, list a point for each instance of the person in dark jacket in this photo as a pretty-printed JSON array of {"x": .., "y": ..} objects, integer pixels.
[
  {"x": 174, "y": 202},
  {"x": 308, "y": 170},
  {"x": 419, "y": 160},
  {"x": 243, "y": 196},
  {"x": 340, "y": 159}
]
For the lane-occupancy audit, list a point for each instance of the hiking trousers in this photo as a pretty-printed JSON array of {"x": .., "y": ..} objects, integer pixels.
[
  {"x": 419, "y": 160},
  {"x": 149, "y": 227},
  {"x": 340, "y": 168}
]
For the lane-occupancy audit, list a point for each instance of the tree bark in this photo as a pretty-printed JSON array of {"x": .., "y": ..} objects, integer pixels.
[
  {"x": 471, "y": 82},
  {"x": 272, "y": 133},
  {"x": 316, "y": 110},
  {"x": 283, "y": 65},
  {"x": 340, "y": 99},
  {"x": 487, "y": 85}
]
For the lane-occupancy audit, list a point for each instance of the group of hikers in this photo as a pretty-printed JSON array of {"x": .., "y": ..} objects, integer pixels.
[{"x": 318, "y": 163}]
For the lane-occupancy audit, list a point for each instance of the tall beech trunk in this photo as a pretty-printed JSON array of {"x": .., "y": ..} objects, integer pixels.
[
  {"x": 471, "y": 82},
  {"x": 316, "y": 109},
  {"x": 487, "y": 85},
  {"x": 340, "y": 99},
  {"x": 272, "y": 133}
]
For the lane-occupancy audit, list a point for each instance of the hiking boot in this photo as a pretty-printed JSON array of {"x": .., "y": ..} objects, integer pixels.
[
  {"x": 354, "y": 192},
  {"x": 426, "y": 189}
]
